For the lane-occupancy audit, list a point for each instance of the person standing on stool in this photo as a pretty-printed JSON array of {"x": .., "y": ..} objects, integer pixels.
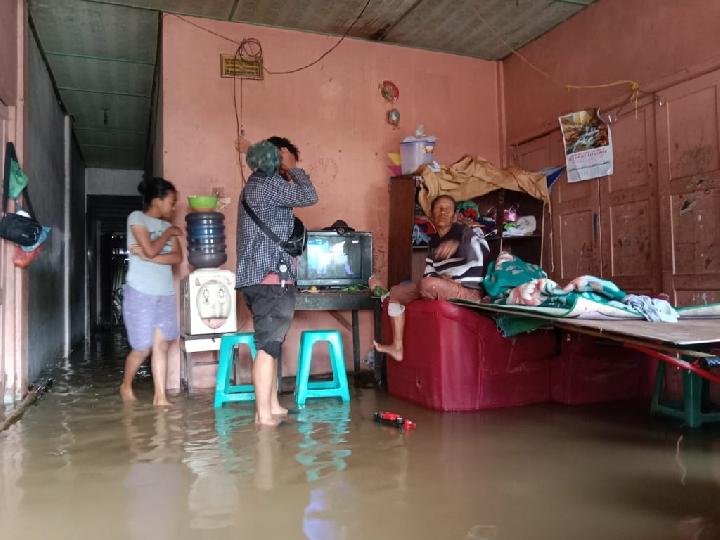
[
  {"x": 265, "y": 272},
  {"x": 454, "y": 268},
  {"x": 149, "y": 303}
]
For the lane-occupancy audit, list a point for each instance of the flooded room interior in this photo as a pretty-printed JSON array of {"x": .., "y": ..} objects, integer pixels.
[{"x": 429, "y": 269}]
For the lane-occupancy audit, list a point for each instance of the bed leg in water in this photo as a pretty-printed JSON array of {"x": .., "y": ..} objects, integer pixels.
[{"x": 690, "y": 409}]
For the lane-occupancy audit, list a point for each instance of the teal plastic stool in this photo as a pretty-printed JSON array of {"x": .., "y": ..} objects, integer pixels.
[
  {"x": 338, "y": 387},
  {"x": 224, "y": 391}
]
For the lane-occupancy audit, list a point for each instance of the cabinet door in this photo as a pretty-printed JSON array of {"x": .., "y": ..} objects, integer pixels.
[
  {"x": 576, "y": 229},
  {"x": 400, "y": 227},
  {"x": 571, "y": 240},
  {"x": 629, "y": 207},
  {"x": 688, "y": 136},
  {"x": 535, "y": 156}
]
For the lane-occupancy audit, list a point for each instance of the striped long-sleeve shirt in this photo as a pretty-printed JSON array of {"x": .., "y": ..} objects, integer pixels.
[
  {"x": 272, "y": 198},
  {"x": 467, "y": 265}
]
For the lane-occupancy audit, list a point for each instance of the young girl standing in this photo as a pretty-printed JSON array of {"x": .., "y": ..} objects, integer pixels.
[{"x": 149, "y": 303}]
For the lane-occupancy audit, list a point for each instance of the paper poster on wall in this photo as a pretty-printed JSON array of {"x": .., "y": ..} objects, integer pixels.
[{"x": 588, "y": 145}]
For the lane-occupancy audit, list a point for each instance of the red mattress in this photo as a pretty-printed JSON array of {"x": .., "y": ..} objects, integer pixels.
[
  {"x": 590, "y": 370},
  {"x": 456, "y": 360}
]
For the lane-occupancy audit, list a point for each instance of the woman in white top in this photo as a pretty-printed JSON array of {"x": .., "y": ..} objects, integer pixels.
[{"x": 149, "y": 303}]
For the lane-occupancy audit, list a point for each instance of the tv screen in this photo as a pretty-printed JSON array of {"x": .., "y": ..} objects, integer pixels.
[{"x": 334, "y": 260}]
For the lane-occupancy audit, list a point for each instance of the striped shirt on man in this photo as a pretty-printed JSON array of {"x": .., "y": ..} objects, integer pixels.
[{"x": 467, "y": 265}]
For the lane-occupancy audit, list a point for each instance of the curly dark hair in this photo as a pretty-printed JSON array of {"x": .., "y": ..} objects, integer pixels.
[
  {"x": 282, "y": 142},
  {"x": 154, "y": 188}
]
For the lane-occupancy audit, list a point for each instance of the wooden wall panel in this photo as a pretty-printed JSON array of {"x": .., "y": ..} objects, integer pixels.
[{"x": 688, "y": 135}]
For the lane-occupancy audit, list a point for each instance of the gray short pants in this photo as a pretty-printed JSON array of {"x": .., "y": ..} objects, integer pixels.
[
  {"x": 143, "y": 313},
  {"x": 273, "y": 308}
]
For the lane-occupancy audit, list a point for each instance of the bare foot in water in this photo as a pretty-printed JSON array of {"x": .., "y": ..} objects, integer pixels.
[
  {"x": 270, "y": 422},
  {"x": 161, "y": 402},
  {"x": 127, "y": 394},
  {"x": 395, "y": 352},
  {"x": 279, "y": 411}
]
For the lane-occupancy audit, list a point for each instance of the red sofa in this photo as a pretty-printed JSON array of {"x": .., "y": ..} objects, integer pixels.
[{"x": 455, "y": 359}]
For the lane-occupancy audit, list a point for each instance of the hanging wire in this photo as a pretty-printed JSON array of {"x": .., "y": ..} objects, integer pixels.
[
  {"x": 243, "y": 45},
  {"x": 634, "y": 85},
  {"x": 251, "y": 49},
  {"x": 331, "y": 49},
  {"x": 239, "y": 122}
]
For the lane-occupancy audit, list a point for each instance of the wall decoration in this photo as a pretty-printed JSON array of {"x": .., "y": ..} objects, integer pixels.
[
  {"x": 588, "y": 145},
  {"x": 393, "y": 118},
  {"x": 389, "y": 91}
]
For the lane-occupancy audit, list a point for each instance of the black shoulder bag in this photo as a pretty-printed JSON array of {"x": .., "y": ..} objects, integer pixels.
[
  {"x": 23, "y": 230},
  {"x": 293, "y": 246}
]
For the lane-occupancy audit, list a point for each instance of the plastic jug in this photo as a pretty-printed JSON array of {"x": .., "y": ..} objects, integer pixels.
[{"x": 415, "y": 152}]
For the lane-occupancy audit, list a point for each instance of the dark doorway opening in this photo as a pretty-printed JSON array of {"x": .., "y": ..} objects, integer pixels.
[{"x": 107, "y": 256}]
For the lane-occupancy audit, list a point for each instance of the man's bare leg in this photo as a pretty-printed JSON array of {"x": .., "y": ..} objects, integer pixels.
[
  {"x": 132, "y": 363},
  {"x": 397, "y": 320},
  {"x": 263, "y": 377},
  {"x": 275, "y": 406}
]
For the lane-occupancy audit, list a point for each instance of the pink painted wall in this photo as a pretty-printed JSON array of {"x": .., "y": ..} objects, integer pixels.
[
  {"x": 656, "y": 42},
  {"x": 332, "y": 111},
  {"x": 8, "y": 51}
]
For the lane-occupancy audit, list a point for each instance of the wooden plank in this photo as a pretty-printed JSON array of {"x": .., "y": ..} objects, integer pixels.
[{"x": 695, "y": 332}]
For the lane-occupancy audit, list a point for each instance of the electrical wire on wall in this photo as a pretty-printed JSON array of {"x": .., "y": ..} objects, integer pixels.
[
  {"x": 251, "y": 49},
  {"x": 635, "y": 92}
]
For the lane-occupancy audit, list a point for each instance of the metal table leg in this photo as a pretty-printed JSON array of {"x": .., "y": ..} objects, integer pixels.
[
  {"x": 356, "y": 342},
  {"x": 379, "y": 357}
]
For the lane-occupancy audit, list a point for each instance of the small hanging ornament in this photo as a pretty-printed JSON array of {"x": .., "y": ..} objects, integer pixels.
[
  {"x": 393, "y": 118},
  {"x": 389, "y": 91}
]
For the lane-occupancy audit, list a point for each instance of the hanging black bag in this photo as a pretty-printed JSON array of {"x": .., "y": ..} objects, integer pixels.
[
  {"x": 22, "y": 230},
  {"x": 293, "y": 246}
]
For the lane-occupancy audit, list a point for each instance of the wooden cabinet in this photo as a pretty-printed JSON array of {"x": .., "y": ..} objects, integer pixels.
[
  {"x": 653, "y": 225},
  {"x": 527, "y": 247},
  {"x": 571, "y": 243},
  {"x": 688, "y": 142},
  {"x": 607, "y": 227},
  {"x": 400, "y": 225},
  {"x": 403, "y": 195}
]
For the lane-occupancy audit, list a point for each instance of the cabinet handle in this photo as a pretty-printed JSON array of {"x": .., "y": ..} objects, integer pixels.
[{"x": 595, "y": 226}]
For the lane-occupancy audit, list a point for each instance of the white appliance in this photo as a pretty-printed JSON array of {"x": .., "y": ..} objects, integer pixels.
[{"x": 208, "y": 302}]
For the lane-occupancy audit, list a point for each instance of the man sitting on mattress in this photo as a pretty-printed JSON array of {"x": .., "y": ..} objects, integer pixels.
[{"x": 454, "y": 268}]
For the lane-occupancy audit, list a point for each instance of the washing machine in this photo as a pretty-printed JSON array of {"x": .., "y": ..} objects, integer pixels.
[{"x": 208, "y": 302}]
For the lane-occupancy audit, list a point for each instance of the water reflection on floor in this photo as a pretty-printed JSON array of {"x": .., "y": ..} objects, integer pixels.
[{"x": 81, "y": 466}]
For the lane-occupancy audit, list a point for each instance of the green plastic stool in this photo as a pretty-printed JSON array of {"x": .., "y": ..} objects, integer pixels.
[
  {"x": 338, "y": 387},
  {"x": 224, "y": 391},
  {"x": 691, "y": 408}
]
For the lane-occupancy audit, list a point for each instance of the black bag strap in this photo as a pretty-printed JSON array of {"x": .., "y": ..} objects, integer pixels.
[
  {"x": 9, "y": 154},
  {"x": 9, "y": 157},
  {"x": 263, "y": 227}
]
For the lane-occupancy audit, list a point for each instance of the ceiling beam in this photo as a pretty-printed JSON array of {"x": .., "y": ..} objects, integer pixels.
[
  {"x": 113, "y": 130},
  {"x": 381, "y": 34},
  {"x": 585, "y": 3},
  {"x": 119, "y": 4},
  {"x": 110, "y": 147},
  {"x": 234, "y": 9},
  {"x": 100, "y": 58},
  {"x": 83, "y": 90}
]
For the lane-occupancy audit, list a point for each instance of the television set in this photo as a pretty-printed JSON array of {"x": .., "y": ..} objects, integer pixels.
[{"x": 332, "y": 260}]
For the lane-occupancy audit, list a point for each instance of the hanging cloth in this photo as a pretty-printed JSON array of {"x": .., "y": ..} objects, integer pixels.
[{"x": 472, "y": 177}]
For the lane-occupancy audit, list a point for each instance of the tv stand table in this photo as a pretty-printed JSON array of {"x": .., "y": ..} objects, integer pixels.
[{"x": 347, "y": 301}]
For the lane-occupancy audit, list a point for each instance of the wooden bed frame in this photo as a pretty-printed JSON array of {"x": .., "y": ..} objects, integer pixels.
[{"x": 688, "y": 344}]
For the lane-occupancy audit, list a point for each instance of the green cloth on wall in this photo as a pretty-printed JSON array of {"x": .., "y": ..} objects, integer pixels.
[{"x": 18, "y": 180}]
